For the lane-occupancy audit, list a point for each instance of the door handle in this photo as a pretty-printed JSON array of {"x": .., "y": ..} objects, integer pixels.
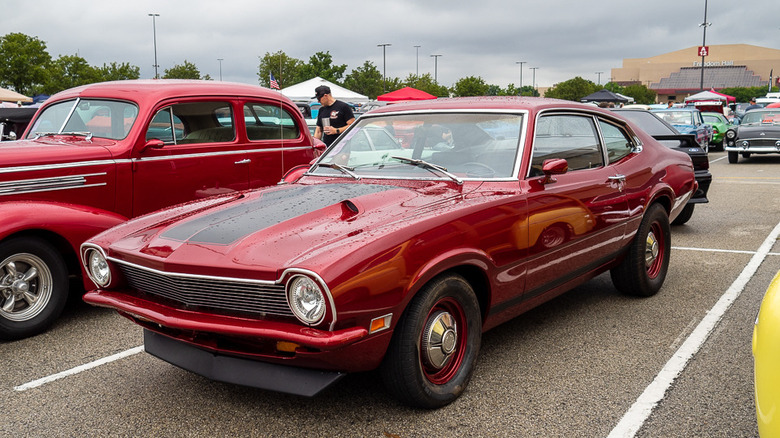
[
  {"x": 244, "y": 161},
  {"x": 620, "y": 180}
]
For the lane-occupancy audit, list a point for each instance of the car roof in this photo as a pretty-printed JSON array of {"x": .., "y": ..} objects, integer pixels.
[
  {"x": 146, "y": 90},
  {"x": 488, "y": 103}
]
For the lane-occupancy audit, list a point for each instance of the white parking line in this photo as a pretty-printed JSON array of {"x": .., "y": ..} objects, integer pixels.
[
  {"x": 638, "y": 413},
  {"x": 78, "y": 369},
  {"x": 731, "y": 251}
]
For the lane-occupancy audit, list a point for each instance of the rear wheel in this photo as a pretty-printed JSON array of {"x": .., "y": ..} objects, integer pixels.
[
  {"x": 33, "y": 287},
  {"x": 685, "y": 215},
  {"x": 644, "y": 268},
  {"x": 733, "y": 157},
  {"x": 434, "y": 348}
]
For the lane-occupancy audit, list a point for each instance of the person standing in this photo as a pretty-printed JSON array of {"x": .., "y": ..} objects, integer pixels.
[{"x": 334, "y": 116}]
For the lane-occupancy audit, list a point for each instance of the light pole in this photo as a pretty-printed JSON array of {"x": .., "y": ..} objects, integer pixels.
[
  {"x": 703, "y": 43},
  {"x": 154, "y": 30},
  {"x": 417, "y": 72},
  {"x": 384, "y": 66},
  {"x": 520, "y": 88},
  {"x": 436, "y": 68},
  {"x": 533, "y": 82},
  {"x": 220, "y": 67},
  {"x": 599, "y": 80}
]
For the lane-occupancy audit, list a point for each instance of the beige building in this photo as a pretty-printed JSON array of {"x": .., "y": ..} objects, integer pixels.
[{"x": 676, "y": 75}]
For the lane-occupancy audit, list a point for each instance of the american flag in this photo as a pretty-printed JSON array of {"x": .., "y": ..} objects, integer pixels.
[{"x": 274, "y": 84}]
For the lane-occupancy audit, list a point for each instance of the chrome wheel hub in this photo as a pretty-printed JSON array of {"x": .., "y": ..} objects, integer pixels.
[
  {"x": 439, "y": 339},
  {"x": 651, "y": 249},
  {"x": 25, "y": 287}
]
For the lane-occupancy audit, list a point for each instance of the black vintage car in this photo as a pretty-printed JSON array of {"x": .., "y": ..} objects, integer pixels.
[
  {"x": 14, "y": 120},
  {"x": 758, "y": 133},
  {"x": 668, "y": 136}
]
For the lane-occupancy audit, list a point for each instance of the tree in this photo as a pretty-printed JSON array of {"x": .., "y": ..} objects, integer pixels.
[
  {"x": 640, "y": 93},
  {"x": 365, "y": 80},
  {"x": 23, "y": 63},
  {"x": 284, "y": 68},
  {"x": 470, "y": 86},
  {"x": 573, "y": 89},
  {"x": 746, "y": 93},
  {"x": 70, "y": 71},
  {"x": 187, "y": 70},
  {"x": 119, "y": 72},
  {"x": 321, "y": 64},
  {"x": 427, "y": 84}
]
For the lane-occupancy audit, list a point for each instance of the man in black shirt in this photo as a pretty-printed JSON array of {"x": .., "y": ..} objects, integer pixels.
[{"x": 334, "y": 115}]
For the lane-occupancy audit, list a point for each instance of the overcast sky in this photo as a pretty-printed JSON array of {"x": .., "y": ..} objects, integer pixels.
[{"x": 562, "y": 38}]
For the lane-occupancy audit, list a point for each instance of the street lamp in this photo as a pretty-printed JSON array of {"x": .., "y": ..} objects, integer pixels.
[
  {"x": 220, "y": 67},
  {"x": 520, "y": 88},
  {"x": 599, "y": 73},
  {"x": 417, "y": 73},
  {"x": 154, "y": 29},
  {"x": 436, "y": 68},
  {"x": 384, "y": 66},
  {"x": 533, "y": 82},
  {"x": 703, "y": 42}
]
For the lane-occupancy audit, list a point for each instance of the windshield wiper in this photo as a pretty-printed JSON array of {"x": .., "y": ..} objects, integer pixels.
[
  {"x": 427, "y": 165},
  {"x": 86, "y": 135},
  {"x": 343, "y": 169}
]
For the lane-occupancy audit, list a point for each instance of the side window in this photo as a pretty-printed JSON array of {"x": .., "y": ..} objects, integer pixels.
[
  {"x": 269, "y": 122},
  {"x": 618, "y": 144},
  {"x": 193, "y": 122},
  {"x": 573, "y": 138}
]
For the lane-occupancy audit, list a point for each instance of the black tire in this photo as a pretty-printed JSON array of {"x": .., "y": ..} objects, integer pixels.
[
  {"x": 644, "y": 268},
  {"x": 719, "y": 146},
  {"x": 33, "y": 287},
  {"x": 745, "y": 154},
  {"x": 733, "y": 157},
  {"x": 685, "y": 215},
  {"x": 423, "y": 367}
]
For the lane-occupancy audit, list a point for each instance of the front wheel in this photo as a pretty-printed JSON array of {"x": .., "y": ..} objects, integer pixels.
[
  {"x": 643, "y": 271},
  {"x": 435, "y": 345},
  {"x": 733, "y": 157},
  {"x": 33, "y": 287}
]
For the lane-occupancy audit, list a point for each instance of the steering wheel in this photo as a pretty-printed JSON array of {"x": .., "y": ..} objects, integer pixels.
[{"x": 477, "y": 169}]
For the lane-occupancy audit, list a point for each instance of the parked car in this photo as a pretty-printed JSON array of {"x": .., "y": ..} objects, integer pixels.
[
  {"x": 766, "y": 360},
  {"x": 720, "y": 126},
  {"x": 688, "y": 121},
  {"x": 668, "y": 136},
  {"x": 758, "y": 133},
  {"x": 399, "y": 260},
  {"x": 99, "y": 154},
  {"x": 13, "y": 121}
]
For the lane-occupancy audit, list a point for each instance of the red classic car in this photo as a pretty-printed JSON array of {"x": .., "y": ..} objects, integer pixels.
[
  {"x": 398, "y": 258},
  {"x": 96, "y": 155}
]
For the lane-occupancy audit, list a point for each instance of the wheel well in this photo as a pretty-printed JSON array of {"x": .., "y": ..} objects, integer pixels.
[
  {"x": 61, "y": 245},
  {"x": 665, "y": 202},
  {"x": 478, "y": 281}
]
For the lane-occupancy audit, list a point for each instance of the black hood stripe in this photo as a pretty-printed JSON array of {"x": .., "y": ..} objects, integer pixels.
[{"x": 228, "y": 225}]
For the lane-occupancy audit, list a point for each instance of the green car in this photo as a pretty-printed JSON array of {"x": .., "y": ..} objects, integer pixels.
[{"x": 720, "y": 124}]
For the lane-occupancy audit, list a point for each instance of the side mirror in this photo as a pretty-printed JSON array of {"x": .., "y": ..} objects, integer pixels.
[
  {"x": 154, "y": 143},
  {"x": 555, "y": 166}
]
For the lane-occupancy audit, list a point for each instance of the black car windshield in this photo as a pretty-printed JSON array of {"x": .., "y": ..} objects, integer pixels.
[
  {"x": 89, "y": 117},
  {"x": 758, "y": 117},
  {"x": 648, "y": 122},
  {"x": 452, "y": 145}
]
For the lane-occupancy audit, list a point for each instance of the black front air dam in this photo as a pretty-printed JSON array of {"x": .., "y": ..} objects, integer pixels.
[{"x": 279, "y": 378}]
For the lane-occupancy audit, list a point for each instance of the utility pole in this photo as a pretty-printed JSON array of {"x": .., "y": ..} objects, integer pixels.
[
  {"x": 520, "y": 88},
  {"x": 436, "y": 68},
  {"x": 417, "y": 72},
  {"x": 384, "y": 66},
  {"x": 703, "y": 43}
]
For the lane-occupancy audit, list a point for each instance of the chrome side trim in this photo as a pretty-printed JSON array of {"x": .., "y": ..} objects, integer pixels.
[
  {"x": 61, "y": 166},
  {"x": 47, "y": 184},
  {"x": 214, "y": 154}
]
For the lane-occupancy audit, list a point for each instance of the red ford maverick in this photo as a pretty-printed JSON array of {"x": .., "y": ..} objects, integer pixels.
[
  {"x": 96, "y": 155},
  {"x": 421, "y": 227}
]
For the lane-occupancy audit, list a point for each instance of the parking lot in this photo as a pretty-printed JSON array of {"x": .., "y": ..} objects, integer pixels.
[{"x": 589, "y": 363}]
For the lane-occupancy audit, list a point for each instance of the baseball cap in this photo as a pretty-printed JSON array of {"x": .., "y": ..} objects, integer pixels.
[{"x": 321, "y": 91}]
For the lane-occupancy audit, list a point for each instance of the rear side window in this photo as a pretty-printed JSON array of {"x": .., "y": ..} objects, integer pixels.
[
  {"x": 269, "y": 122},
  {"x": 618, "y": 144},
  {"x": 193, "y": 122}
]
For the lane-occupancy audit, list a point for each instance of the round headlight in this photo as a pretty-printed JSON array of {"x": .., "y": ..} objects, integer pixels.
[
  {"x": 730, "y": 134},
  {"x": 306, "y": 299},
  {"x": 98, "y": 268}
]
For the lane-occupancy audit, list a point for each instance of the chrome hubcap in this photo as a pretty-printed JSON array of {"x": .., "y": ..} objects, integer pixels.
[
  {"x": 651, "y": 249},
  {"x": 440, "y": 338},
  {"x": 25, "y": 287}
]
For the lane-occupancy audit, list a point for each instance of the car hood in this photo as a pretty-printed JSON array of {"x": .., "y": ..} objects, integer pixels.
[
  {"x": 53, "y": 150},
  {"x": 758, "y": 131},
  {"x": 268, "y": 230}
]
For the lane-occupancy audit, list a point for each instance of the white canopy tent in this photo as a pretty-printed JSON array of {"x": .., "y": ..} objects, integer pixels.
[{"x": 304, "y": 91}]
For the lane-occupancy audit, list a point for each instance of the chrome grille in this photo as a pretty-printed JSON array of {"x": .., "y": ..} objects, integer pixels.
[
  {"x": 210, "y": 293},
  {"x": 760, "y": 142}
]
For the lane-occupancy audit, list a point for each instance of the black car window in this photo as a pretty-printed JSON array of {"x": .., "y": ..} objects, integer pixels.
[{"x": 571, "y": 137}]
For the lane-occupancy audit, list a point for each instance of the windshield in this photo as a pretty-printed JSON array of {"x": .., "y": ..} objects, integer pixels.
[
  {"x": 427, "y": 146},
  {"x": 677, "y": 117},
  {"x": 713, "y": 119},
  {"x": 761, "y": 117},
  {"x": 100, "y": 118}
]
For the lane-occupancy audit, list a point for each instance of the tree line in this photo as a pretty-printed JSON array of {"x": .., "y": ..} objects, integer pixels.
[{"x": 28, "y": 68}]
